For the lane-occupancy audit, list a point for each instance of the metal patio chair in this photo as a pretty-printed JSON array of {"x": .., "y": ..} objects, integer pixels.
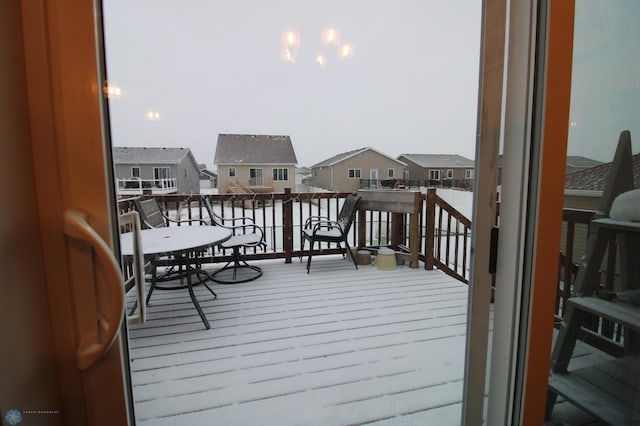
[
  {"x": 246, "y": 234},
  {"x": 322, "y": 229}
]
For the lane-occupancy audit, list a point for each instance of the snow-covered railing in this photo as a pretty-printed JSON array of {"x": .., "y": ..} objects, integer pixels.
[
  {"x": 444, "y": 231},
  {"x": 137, "y": 186}
]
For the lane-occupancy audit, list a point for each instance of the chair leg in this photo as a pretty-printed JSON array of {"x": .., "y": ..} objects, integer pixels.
[
  {"x": 302, "y": 246},
  {"x": 311, "y": 243},
  {"x": 346, "y": 243}
]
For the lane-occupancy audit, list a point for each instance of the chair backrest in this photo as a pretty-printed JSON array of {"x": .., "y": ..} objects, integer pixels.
[
  {"x": 348, "y": 212},
  {"x": 150, "y": 212},
  {"x": 215, "y": 219}
]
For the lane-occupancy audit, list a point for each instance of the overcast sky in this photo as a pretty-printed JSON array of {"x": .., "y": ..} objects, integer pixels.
[{"x": 409, "y": 83}]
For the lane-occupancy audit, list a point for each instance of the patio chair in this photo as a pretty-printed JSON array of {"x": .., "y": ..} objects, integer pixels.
[
  {"x": 246, "y": 234},
  {"x": 151, "y": 216},
  {"x": 322, "y": 229}
]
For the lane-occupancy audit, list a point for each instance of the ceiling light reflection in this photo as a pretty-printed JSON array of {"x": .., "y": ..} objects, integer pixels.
[
  {"x": 346, "y": 51},
  {"x": 152, "y": 116},
  {"x": 321, "y": 60},
  {"x": 330, "y": 36}
]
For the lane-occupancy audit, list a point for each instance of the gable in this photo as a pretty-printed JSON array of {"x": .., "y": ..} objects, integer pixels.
[{"x": 355, "y": 154}]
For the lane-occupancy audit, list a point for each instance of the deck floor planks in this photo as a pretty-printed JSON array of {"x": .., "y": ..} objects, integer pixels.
[{"x": 315, "y": 341}]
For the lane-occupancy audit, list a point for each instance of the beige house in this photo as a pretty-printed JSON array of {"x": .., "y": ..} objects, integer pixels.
[
  {"x": 255, "y": 163},
  {"x": 353, "y": 170},
  {"x": 440, "y": 169}
]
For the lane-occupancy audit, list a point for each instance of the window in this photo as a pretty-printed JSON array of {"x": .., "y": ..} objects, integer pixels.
[
  {"x": 232, "y": 172},
  {"x": 434, "y": 174},
  {"x": 255, "y": 177},
  {"x": 280, "y": 174},
  {"x": 450, "y": 174},
  {"x": 355, "y": 173},
  {"x": 468, "y": 174},
  {"x": 390, "y": 173},
  {"x": 135, "y": 172},
  {"x": 161, "y": 173}
]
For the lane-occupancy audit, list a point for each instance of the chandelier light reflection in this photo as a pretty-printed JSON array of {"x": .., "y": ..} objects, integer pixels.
[
  {"x": 152, "y": 116},
  {"x": 112, "y": 92},
  {"x": 330, "y": 37}
]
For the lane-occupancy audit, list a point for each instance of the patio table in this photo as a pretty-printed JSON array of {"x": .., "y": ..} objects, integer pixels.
[{"x": 179, "y": 242}]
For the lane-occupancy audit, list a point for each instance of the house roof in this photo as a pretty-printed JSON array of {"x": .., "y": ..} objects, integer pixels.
[
  {"x": 207, "y": 174},
  {"x": 595, "y": 178},
  {"x": 345, "y": 155},
  {"x": 578, "y": 162},
  {"x": 150, "y": 155},
  {"x": 440, "y": 160},
  {"x": 254, "y": 149}
]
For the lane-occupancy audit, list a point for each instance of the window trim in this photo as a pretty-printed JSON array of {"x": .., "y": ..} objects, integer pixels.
[
  {"x": 354, "y": 170},
  {"x": 432, "y": 172},
  {"x": 277, "y": 175},
  {"x": 449, "y": 173},
  {"x": 391, "y": 172},
  {"x": 135, "y": 175},
  {"x": 469, "y": 173},
  {"x": 231, "y": 172}
]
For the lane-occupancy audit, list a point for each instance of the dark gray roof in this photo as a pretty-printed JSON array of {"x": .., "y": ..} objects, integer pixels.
[
  {"x": 254, "y": 149},
  {"x": 595, "y": 178},
  {"x": 344, "y": 155},
  {"x": 578, "y": 162},
  {"x": 439, "y": 160},
  {"x": 144, "y": 155},
  {"x": 207, "y": 174}
]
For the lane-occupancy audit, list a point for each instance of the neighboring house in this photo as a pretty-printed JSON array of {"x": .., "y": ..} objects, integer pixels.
[
  {"x": 352, "y": 170},
  {"x": 156, "y": 171},
  {"x": 583, "y": 189},
  {"x": 440, "y": 169},
  {"x": 303, "y": 179},
  {"x": 208, "y": 179},
  {"x": 574, "y": 163},
  {"x": 254, "y": 163}
]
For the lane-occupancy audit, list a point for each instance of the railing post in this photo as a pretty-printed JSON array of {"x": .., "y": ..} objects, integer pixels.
[
  {"x": 430, "y": 231},
  {"x": 287, "y": 226}
]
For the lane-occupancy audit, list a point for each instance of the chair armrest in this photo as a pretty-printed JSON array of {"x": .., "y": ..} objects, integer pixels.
[
  {"x": 327, "y": 224},
  {"x": 201, "y": 221},
  {"x": 311, "y": 220}
]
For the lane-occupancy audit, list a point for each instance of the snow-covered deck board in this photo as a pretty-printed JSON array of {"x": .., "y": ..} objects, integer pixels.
[{"x": 337, "y": 346}]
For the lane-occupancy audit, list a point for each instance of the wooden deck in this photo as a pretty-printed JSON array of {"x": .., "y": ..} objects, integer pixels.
[{"x": 335, "y": 347}]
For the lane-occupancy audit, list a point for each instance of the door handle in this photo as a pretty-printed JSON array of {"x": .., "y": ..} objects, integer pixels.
[{"x": 77, "y": 226}]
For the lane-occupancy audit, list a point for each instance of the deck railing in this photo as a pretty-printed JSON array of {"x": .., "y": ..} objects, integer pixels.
[
  {"x": 444, "y": 235},
  {"x": 138, "y": 186},
  {"x": 444, "y": 232},
  {"x": 597, "y": 331}
]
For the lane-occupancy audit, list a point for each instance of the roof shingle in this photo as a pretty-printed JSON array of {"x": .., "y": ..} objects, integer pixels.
[
  {"x": 595, "y": 178},
  {"x": 440, "y": 160},
  {"x": 254, "y": 149}
]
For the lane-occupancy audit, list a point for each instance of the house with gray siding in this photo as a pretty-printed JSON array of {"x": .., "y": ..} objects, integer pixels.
[
  {"x": 440, "y": 169},
  {"x": 255, "y": 163},
  {"x": 150, "y": 170},
  {"x": 353, "y": 170}
]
